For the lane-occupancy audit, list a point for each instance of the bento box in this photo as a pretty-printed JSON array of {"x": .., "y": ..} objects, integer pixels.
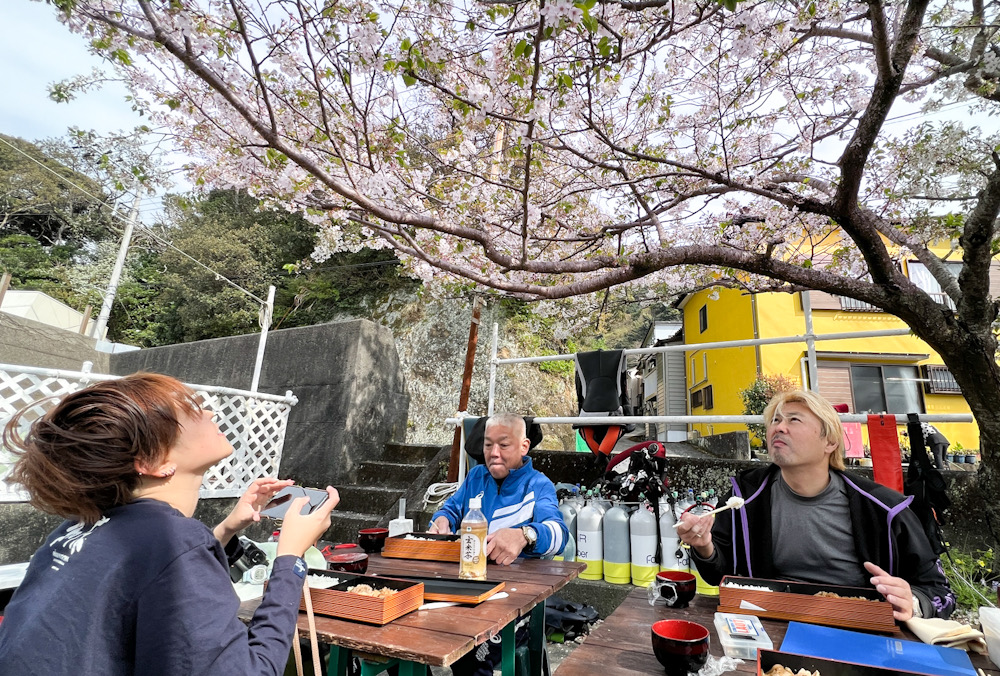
[
  {"x": 767, "y": 659},
  {"x": 404, "y": 596},
  {"x": 470, "y": 592},
  {"x": 832, "y": 605},
  {"x": 424, "y": 546}
]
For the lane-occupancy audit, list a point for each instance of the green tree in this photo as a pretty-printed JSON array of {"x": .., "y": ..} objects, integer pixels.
[
  {"x": 42, "y": 198},
  {"x": 757, "y": 394},
  {"x": 231, "y": 234}
]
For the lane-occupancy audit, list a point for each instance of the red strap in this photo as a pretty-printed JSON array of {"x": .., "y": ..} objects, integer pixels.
[
  {"x": 611, "y": 436},
  {"x": 886, "y": 460}
]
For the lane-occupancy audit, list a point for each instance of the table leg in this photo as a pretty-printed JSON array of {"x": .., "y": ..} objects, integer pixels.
[
  {"x": 508, "y": 647},
  {"x": 339, "y": 659},
  {"x": 413, "y": 669},
  {"x": 536, "y": 638}
]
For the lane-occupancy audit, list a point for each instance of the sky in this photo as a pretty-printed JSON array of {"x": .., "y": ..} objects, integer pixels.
[{"x": 38, "y": 50}]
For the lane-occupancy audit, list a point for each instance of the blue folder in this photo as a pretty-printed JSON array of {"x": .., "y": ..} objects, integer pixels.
[{"x": 877, "y": 651}]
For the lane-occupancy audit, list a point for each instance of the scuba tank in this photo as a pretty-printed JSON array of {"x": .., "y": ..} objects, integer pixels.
[
  {"x": 590, "y": 541},
  {"x": 569, "y": 551},
  {"x": 617, "y": 557},
  {"x": 568, "y": 510},
  {"x": 674, "y": 556},
  {"x": 642, "y": 531},
  {"x": 703, "y": 587}
]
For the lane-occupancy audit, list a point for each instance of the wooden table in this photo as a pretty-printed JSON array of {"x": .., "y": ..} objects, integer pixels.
[
  {"x": 621, "y": 644},
  {"x": 440, "y": 636}
]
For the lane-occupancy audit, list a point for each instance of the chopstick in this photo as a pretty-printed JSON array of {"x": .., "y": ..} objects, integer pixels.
[{"x": 730, "y": 504}]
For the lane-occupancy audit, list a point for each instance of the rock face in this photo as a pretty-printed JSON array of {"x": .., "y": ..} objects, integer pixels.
[{"x": 432, "y": 337}]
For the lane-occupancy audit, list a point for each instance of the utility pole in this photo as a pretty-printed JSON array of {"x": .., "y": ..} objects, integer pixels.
[
  {"x": 116, "y": 273},
  {"x": 463, "y": 396},
  {"x": 266, "y": 313}
]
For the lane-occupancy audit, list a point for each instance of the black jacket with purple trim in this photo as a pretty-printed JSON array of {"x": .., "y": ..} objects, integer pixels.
[{"x": 886, "y": 532}]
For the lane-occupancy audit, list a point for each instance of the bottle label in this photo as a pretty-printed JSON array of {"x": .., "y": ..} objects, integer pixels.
[
  {"x": 472, "y": 547},
  {"x": 590, "y": 545}
]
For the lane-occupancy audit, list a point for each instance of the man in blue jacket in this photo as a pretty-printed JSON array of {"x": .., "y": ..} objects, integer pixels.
[
  {"x": 519, "y": 502},
  {"x": 521, "y": 506}
]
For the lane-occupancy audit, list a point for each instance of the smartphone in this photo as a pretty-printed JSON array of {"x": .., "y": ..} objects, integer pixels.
[{"x": 279, "y": 504}]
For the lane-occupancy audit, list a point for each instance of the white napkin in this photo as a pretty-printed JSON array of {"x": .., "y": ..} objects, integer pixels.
[{"x": 948, "y": 633}]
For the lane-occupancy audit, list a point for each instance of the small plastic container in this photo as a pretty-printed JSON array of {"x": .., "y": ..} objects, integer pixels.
[
  {"x": 741, "y": 635},
  {"x": 990, "y": 620}
]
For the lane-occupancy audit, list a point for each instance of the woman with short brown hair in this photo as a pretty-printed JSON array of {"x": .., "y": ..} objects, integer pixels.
[{"x": 131, "y": 583}]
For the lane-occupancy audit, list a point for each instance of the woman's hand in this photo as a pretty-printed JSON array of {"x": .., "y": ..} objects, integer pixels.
[
  {"x": 247, "y": 510},
  {"x": 300, "y": 531}
]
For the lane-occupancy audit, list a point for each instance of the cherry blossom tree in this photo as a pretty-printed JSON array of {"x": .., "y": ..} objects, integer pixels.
[{"x": 550, "y": 148}]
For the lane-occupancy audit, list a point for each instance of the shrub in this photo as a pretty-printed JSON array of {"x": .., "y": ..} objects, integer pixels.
[
  {"x": 758, "y": 393},
  {"x": 971, "y": 576}
]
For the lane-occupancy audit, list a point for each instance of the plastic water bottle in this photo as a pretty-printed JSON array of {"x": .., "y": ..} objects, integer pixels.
[
  {"x": 642, "y": 532},
  {"x": 472, "y": 562},
  {"x": 617, "y": 548},
  {"x": 590, "y": 541}
]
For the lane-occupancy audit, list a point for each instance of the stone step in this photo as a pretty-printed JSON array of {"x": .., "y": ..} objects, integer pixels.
[
  {"x": 344, "y": 525},
  {"x": 369, "y": 499},
  {"x": 410, "y": 453},
  {"x": 388, "y": 474}
]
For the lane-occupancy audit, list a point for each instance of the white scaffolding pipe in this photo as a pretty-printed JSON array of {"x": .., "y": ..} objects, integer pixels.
[
  {"x": 692, "y": 347},
  {"x": 810, "y": 342},
  {"x": 493, "y": 370},
  {"x": 721, "y": 419}
]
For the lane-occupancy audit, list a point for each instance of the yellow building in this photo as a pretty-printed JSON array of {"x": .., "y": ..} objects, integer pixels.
[{"x": 898, "y": 374}]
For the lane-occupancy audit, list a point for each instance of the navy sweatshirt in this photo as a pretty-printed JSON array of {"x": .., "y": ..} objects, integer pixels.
[{"x": 146, "y": 591}]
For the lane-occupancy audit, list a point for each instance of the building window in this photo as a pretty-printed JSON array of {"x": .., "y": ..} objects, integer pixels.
[
  {"x": 921, "y": 276},
  {"x": 702, "y": 398},
  {"x": 886, "y": 389},
  {"x": 853, "y": 305},
  {"x": 939, "y": 380},
  {"x": 697, "y": 399},
  {"x": 703, "y": 319}
]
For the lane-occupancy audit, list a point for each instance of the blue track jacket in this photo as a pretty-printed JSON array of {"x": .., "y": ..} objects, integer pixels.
[{"x": 526, "y": 498}]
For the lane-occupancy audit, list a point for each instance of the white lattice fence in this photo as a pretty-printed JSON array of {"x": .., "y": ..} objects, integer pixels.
[{"x": 253, "y": 422}]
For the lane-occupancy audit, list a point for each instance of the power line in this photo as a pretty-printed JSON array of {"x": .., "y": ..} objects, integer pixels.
[{"x": 141, "y": 227}]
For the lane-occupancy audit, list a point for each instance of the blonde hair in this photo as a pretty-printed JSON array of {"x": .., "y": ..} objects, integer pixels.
[{"x": 830, "y": 425}]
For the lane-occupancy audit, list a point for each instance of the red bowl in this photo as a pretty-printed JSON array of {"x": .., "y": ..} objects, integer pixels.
[
  {"x": 354, "y": 562},
  {"x": 680, "y": 646},
  {"x": 372, "y": 539}
]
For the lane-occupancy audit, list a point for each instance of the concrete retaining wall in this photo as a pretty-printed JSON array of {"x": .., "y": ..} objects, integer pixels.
[
  {"x": 26, "y": 342},
  {"x": 346, "y": 375}
]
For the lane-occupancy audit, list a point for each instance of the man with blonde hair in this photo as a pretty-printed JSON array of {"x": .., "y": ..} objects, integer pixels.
[{"x": 806, "y": 519}]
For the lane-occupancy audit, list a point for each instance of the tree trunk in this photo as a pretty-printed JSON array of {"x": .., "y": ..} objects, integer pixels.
[{"x": 972, "y": 361}]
